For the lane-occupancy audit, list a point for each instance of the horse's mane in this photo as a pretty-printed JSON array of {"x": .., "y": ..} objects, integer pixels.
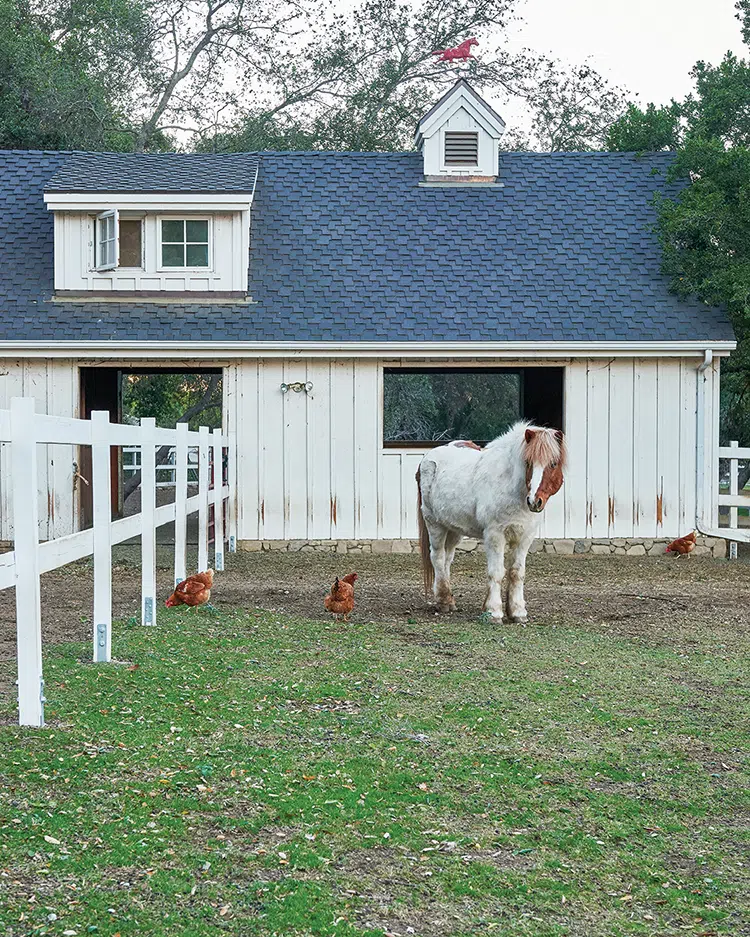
[{"x": 546, "y": 446}]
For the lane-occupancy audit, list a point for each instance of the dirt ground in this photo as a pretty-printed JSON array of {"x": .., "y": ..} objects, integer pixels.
[{"x": 664, "y": 600}]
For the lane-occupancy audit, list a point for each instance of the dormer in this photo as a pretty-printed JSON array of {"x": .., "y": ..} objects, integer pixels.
[
  {"x": 141, "y": 226},
  {"x": 459, "y": 138}
]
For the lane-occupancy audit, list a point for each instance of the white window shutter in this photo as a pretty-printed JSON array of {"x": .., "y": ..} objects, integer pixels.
[{"x": 107, "y": 240}]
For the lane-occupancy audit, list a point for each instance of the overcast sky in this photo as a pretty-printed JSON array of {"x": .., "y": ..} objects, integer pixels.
[{"x": 646, "y": 46}]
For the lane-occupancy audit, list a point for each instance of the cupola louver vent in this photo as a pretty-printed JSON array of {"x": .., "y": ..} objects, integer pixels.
[{"x": 461, "y": 149}]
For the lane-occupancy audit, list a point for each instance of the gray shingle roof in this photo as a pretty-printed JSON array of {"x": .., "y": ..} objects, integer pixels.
[
  {"x": 155, "y": 172},
  {"x": 349, "y": 247}
]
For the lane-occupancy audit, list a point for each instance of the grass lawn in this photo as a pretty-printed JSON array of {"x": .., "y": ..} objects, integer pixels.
[{"x": 260, "y": 773}]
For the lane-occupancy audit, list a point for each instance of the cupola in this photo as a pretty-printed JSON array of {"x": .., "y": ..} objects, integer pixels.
[{"x": 459, "y": 138}]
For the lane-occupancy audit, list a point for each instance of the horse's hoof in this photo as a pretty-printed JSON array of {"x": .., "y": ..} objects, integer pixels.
[
  {"x": 447, "y": 607},
  {"x": 519, "y": 619}
]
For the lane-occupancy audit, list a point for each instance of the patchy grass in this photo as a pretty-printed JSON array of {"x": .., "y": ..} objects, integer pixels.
[{"x": 257, "y": 773}]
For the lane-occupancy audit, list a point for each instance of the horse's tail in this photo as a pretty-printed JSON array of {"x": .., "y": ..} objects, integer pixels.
[{"x": 428, "y": 573}]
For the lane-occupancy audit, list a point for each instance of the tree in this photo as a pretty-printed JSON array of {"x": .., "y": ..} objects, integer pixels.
[
  {"x": 48, "y": 99},
  {"x": 233, "y": 75},
  {"x": 362, "y": 82},
  {"x": 705, "y": 229},
  {"x": 194, "y": 399}
]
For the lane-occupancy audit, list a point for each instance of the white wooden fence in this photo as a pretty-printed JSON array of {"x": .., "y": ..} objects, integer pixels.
[
  {"x": 734, "y": 500},
  {"x": 166, "y": 473},
  {"x": 25, "y": 429}
]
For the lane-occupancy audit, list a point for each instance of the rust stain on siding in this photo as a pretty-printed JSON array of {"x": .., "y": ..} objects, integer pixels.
[
  {"x": 287, "y": 508},
  {"x": 334, "y": 510},
  {"x": 660, "y": 509},
  {"x": 611, "y": 510},
  {"x": 263, "y": 511},
  {"x": 589, "y": 513}
]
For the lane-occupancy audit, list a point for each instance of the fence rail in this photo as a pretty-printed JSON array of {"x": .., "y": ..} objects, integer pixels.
[
  {"x": 25, "y": 429},
  {"x": 166, "y": 473}
]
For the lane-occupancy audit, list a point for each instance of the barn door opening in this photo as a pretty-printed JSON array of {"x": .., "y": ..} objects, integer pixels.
[
  {"x": 169, "y": 395},
  {"x": 100, "y": 390}
]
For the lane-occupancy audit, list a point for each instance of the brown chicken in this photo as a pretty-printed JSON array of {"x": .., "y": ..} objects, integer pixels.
[
  {"x": 682, "y": 546},
  {"x": 195, "y": 590},
  {"x": 340, "y": 600}
]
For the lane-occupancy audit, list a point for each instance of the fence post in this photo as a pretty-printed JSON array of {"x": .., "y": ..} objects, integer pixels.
[
  {"x": 218, "y": 499},
  {"x": 733, "y": 484},
  {"x": 26, "y": 547},
  {"x": 232, "y": 482},
  {"x": 180, "y": 502},
  {"x": 101, "y": 487},
  {"x": 148, "y": 530},
  {"x": 203, "y": 499}
]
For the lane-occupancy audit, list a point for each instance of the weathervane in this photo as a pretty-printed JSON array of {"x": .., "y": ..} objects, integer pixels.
[{"x": 460, "y": 53}]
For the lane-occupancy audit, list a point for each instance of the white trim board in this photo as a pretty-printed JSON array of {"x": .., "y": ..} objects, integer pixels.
[
  {"x": 212, "y": 350},
  {"x": 145, "y": 201}
]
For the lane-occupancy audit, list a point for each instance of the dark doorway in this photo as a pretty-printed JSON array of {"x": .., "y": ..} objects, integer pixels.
[
  {"x": 100, "y": 390},
  {"x": 543, "y": 396}
]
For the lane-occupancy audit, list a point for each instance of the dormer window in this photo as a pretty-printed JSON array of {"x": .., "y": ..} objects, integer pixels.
[
  {"x": 461, "y": 149},
  {"x": 184, "y": 242},
  {"x": 149, "y": 225},
  {"x": 459, "y": 138}
]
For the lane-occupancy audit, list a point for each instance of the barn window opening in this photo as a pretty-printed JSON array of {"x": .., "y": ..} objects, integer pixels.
[
  {"x": 461, "y": 149},
  {"x": 425, "y": 407}
]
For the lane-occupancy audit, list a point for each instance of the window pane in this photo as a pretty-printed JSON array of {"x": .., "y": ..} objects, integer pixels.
[
  {"x": 197, "y": 231},
  {"x": 197, "y": 255},
  {"x": 437, "y": 406},
  {"x": 173, "y": 231},
  {"x": 172, "y": 255},
  {"x": 130, "y": 243}
]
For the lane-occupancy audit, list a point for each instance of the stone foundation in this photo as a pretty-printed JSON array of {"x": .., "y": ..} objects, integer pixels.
[{"x": 705, "y": 546}]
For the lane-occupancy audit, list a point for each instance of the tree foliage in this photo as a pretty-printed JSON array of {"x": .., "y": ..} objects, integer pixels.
[
  {"x": 705, "y": 230},
  {"x": 273, "y": 74},
  {"x": 49, "y": 98},
  {"x": 173, "y": 398}
]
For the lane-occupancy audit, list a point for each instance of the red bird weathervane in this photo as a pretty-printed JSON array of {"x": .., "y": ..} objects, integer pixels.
[{"x": 461, "y": 53}]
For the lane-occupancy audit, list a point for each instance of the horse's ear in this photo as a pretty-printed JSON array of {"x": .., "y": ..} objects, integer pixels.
[{"x": 529, "y": 434}]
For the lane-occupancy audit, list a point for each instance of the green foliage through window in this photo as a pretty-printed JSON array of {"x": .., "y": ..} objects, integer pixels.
[{"x": 441, "y": 405}]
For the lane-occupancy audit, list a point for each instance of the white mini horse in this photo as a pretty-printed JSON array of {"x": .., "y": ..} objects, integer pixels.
[{"x": 494, "y": 494}]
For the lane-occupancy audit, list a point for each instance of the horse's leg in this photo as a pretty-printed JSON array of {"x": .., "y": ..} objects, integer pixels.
[
  {"x": 451, "y": 542},
  {"x": 520, "y": 540},
  {"x": 438, "y": 558},
  {"x": 494, "y": 547}
]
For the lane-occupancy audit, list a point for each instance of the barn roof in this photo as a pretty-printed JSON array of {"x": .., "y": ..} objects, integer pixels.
[
  {"x": 350, "y": 247},
  {"x": 155, "y": 172}
]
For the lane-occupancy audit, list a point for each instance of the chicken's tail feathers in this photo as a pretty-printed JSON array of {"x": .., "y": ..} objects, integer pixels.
[{"x": 428, "y": 573}]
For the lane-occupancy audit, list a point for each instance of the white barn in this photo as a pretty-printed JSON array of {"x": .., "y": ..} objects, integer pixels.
[{"x": 361, "y": 307}]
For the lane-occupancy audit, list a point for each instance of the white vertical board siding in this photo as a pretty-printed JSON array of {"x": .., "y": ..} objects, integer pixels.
[
  {"x": 576, "y": 438},
  {"x": 319, "y": 503},
  {"x": 688, "y": 464},
  {"x": 227, "y": 269},
  {"x": 597, "y": 449},
  {"x": 645, "y": 430},
  {"x": 392, "y": 501},
  {"x": 313, "y": 466},
  {"x": 621, "y": 443},
  {"x": 274, "y": 496},
  {"x": 368, "y": 446},
  {"x": 341, "y": 448},
  {"x": 53, "y": 383},
  {"x": 669, "y": 454},
  {"x": 296, "y": 440}
]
